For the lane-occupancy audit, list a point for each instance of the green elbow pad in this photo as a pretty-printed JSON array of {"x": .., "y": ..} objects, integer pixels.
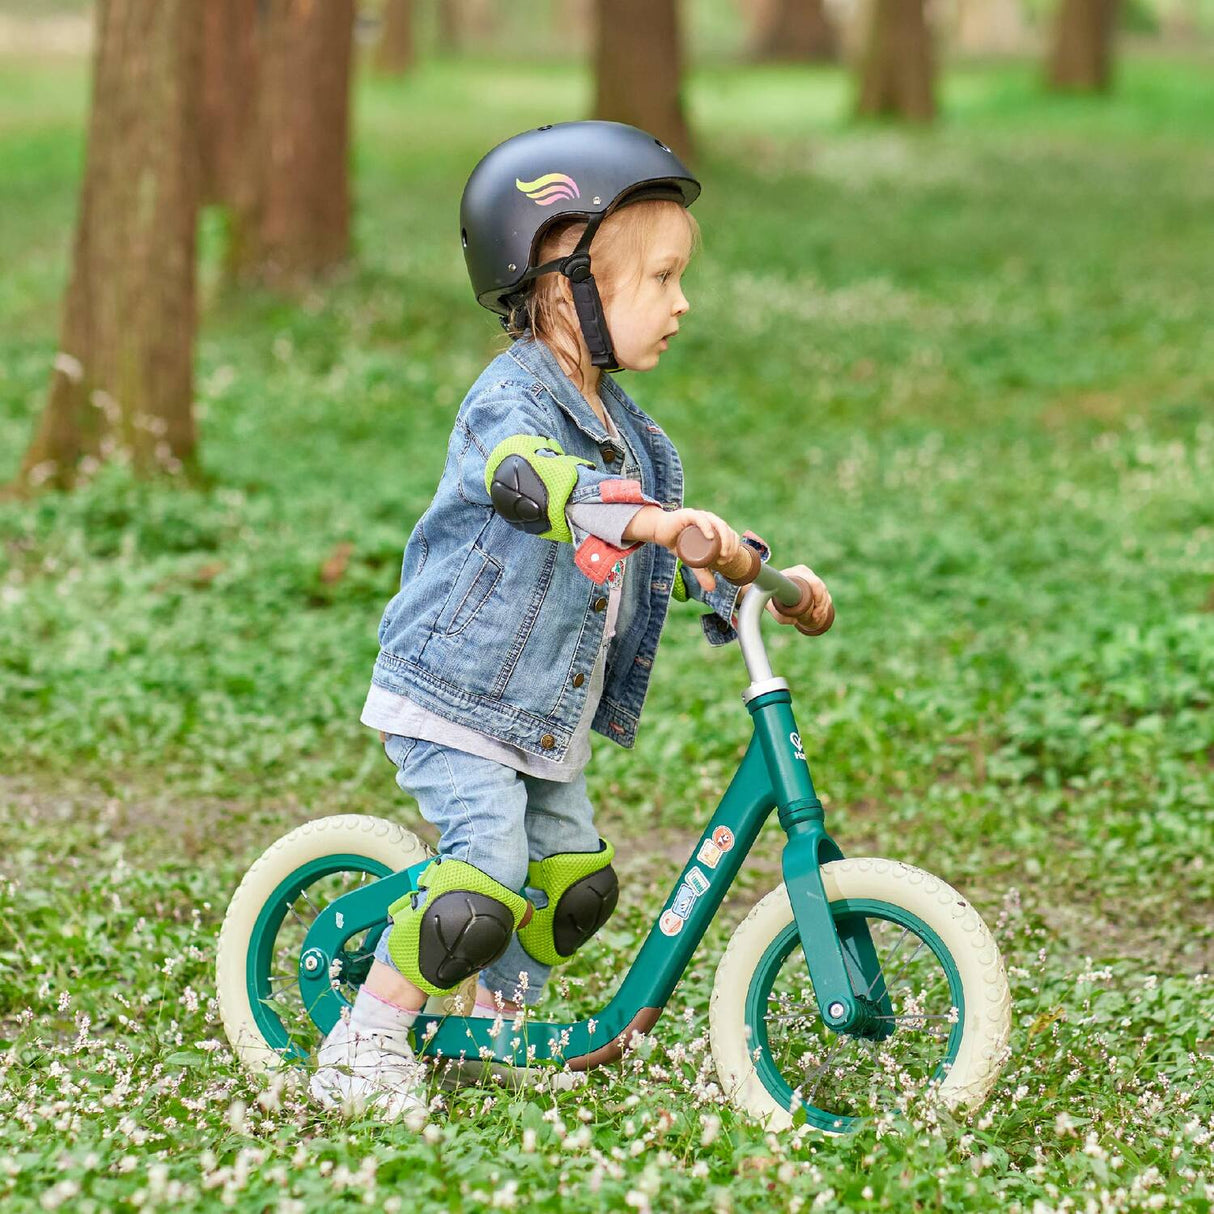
[
  {"x": 679, "y": 590},
  {"x": 529, "y": 480},
  {"x": 582, "y": 892}
]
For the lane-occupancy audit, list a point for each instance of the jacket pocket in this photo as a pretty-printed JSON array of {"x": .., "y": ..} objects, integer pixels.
[{"x": 477, "y": 580}]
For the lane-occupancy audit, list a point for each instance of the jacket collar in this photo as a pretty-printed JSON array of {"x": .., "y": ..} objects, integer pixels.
[{"x": 536, "y": 357}]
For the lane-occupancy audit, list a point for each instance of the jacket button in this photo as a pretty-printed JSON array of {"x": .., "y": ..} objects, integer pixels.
[
  {"x": 547, "y": 741},
  {"x": 579, "y": 679},
  {"x": 600, "y": 604},
  {"x": 609, "y": 454},
  {"x": 722, "y": 624}
]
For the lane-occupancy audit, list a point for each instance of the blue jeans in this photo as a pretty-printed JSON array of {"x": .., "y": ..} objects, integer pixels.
[{"x": 497, "y": 819}]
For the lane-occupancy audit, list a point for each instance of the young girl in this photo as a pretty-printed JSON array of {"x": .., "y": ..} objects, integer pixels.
[{"x": 534, "y": 588}]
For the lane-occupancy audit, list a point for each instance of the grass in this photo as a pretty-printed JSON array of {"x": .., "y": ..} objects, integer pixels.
[{"x": 965, "y": 373}]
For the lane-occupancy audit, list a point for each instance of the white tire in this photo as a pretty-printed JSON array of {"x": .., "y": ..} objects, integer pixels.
[
  {"x": 986, "y": 1021},
  {"x": 360, "y": 835}
]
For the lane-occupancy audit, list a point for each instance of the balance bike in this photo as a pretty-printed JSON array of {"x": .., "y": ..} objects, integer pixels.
[{"x": 848, "y": 986}]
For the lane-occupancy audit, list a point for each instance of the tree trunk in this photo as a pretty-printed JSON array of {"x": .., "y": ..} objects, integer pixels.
[
  {"x": 450, "y": 26},
  {"x": 293, "y": 222},
  {"x": 896, "y": 68},
  {"x": 1082, "y": 54},
  {"x": 122, "y": 385},
  {"x": 793, "y": 31},
  {"x": 638, "y": 66},
  {"x": 394, "y": 54},
  {"x": 989, "y": 27},
  {"x": 572, "y": 20},
  {"x": 229, "y": 97}
]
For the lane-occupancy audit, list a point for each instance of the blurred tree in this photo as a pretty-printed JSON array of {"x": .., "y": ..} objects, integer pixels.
[
  {"x": 298, "y": 224},
  {"x": 122, "y": 385},
  {"x": 450, "y": 27},
  {"x": 896, "y": 67},
  {"x": 989, "y": 27},
  {"x": 394, "y": 53},
  {"x": 638, "y": 66},
  {"x": 791, "y": 30},
  {"x": 462, "y": 21},
  {"x": 227, "y": 145},
  {"x": 1081, "y": 58},
  {"x": 572, "y": 20},
  {"x": 275, "y": 146}
]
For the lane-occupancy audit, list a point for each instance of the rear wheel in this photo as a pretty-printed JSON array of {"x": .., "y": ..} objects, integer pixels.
[
  {"x": 259, "y": 955},
  {"x": 948, "y": 995}
]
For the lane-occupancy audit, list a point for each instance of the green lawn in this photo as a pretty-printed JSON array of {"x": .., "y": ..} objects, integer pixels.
[{"x": 965, "y": 373}]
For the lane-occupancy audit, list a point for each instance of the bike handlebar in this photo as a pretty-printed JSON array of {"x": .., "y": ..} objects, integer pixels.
[{"x": 794, "y": 595}]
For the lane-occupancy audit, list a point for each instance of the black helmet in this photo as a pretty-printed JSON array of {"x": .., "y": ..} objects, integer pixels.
[{"x": 579, "y": 170}]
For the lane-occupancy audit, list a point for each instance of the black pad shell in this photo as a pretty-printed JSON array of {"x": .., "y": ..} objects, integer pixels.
[
  {"x": 461, "y": 932},
  {"x": 519, "y": 495},
  {"x": 584, "y": 907}
]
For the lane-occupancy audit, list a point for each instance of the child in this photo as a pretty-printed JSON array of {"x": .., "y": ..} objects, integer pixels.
[{"x": 534, "y": 588}]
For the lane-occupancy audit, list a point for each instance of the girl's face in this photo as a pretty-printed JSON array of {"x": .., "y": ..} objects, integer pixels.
[{"x": 643, "y": 312}]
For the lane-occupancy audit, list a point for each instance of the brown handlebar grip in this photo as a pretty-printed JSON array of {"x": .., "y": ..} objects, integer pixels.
[
  {"x": 698, "y": 551},
  {"x": 816, "y": 632},
  {"x": 804, "y": 603}
]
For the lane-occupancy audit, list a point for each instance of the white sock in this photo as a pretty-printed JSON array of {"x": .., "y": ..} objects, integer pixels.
[{"x": 373, "y": 1015}]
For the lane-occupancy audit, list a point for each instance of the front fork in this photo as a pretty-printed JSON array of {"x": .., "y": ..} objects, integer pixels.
[{"x": 843, "y": 965}]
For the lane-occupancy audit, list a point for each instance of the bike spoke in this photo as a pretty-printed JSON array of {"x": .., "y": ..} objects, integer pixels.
[
  {"x": 853, "y": 972},
  {"x": 919, "y": 948},
  {"x": 823, "y": 1068},
  {"x": 855, "y": 1081},
  {"x": 916, "y": 1016},
  {"x": 893, "y": 952}
]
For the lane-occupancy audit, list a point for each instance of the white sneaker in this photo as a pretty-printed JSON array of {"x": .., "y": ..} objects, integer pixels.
[{"x": 359, "y": 1072}]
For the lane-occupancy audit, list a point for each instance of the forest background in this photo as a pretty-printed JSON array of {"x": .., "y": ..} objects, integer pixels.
[{"x": 971, "y": 349}]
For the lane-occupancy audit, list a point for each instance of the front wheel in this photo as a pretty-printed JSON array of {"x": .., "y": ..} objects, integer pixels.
[{"x": 951, "y": 1007}]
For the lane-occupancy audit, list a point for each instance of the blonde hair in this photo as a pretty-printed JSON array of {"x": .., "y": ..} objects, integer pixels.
[{"x": 616, "y": 256}]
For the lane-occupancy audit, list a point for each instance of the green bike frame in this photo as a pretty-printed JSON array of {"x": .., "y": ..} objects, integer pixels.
[{"x": 773, "y": 775}]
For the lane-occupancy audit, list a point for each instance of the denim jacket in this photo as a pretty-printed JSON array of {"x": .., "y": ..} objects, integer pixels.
[{"x": 493, "y": 626}]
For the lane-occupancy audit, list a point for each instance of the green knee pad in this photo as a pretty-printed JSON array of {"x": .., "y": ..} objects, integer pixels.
[
  {"x": 582, "y": 892},
  {"x": 458, "y": 921}
]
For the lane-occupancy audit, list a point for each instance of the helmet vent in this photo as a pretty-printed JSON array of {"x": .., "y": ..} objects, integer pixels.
[
  {"x": 661, "y": 145},
  {"x": 544, "y": 128},
  {"x": 463, "y": 232}
]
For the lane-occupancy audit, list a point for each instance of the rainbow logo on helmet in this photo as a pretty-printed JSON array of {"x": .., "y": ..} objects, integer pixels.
[{"x": 552, "y": 187}]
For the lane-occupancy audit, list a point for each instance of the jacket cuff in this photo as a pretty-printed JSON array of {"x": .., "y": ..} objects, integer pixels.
[
  {"x": 720, "y": 627},
  {"x": 595, "y": 557},
  {"x": 611, "y": 490}
]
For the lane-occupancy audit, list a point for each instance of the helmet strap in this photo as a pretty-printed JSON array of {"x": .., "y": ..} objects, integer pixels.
[{"x": 586, "y": 301}]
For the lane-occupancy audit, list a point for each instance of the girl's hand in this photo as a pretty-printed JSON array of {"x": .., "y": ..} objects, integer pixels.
[
  {"x": 820, "y": 615},
  {"x": 653, "y": 525}
]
